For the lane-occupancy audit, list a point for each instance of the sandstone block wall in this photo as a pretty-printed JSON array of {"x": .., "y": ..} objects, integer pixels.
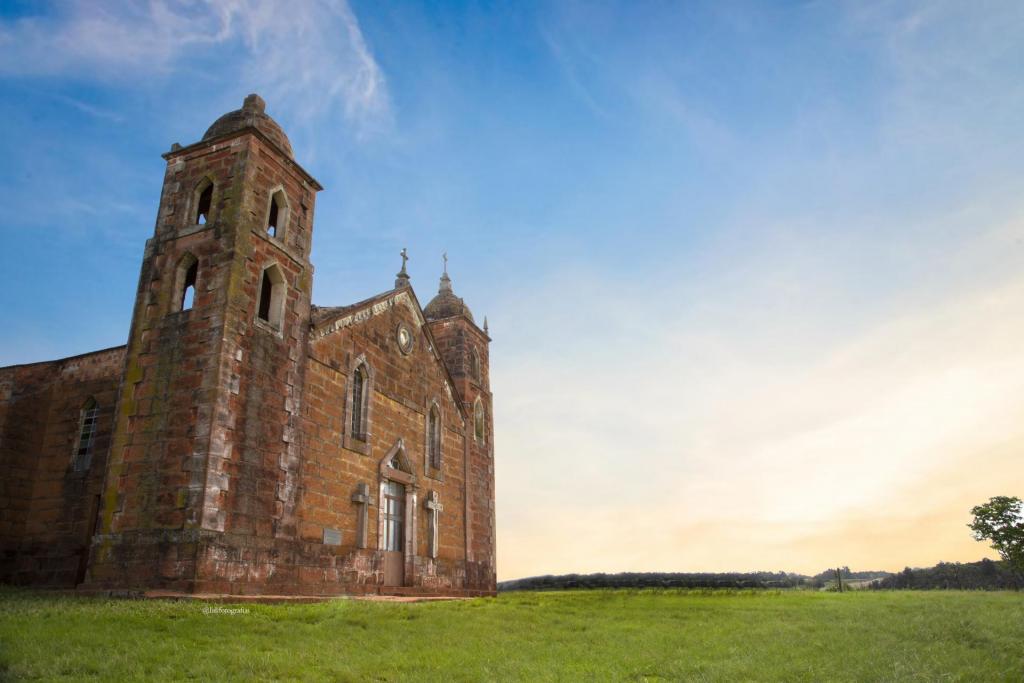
[{"x": 48, "y": 508}]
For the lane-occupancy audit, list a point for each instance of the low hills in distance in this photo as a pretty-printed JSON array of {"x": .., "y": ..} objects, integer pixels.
[{"x": 983, "y": 575}]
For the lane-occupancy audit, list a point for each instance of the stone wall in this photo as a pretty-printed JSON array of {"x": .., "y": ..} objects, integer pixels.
[
  {"x": 48, "y": 507},
  {"x": 458, "y": 339},
  {"x": 404, "y": 386}
]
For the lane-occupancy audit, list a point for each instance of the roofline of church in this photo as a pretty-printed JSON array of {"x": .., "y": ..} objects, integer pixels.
[
  {"x": 66, "y": 358},
  {"x": 377, "y": 298},
  {"x": 238, "y": 133}
]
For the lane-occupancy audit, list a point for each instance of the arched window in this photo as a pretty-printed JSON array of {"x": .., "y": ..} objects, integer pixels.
[
  {"x": 188, "y": 297},
  {"x": 204, "y": 201},
  {"x": 474, "y": 364},
  {"x": 358, "y": 422},
  {"x": 272, "y": 296},
  {"x": 277, "y": 214},
  {"x": 434, "y": 438},
  {"x": 360, "y": 396},
  {"x": 478, "y": 419},
  {"x": 186, "y": 276},
  {"x": 82, "y": 456}
]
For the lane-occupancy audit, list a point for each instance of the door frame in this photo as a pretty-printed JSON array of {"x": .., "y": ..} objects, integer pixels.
[{"x": 404, "y": 474}]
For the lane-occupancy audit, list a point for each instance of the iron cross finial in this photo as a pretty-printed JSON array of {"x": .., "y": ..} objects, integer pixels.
[
  {"x": 445, "y": 257},
  {"x": 402, "y": 278}
]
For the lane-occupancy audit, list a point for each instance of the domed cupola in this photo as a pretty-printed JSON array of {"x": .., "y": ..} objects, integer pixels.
[
  {"x": 446, "y": 304},
  {"x": 251, "y": 115}
]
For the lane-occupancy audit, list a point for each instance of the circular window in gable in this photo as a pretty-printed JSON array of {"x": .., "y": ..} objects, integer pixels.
[{"x": 404, "y": 338}]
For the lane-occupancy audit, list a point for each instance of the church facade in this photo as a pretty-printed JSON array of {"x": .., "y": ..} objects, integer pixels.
[{"x": 245, "y": 441}]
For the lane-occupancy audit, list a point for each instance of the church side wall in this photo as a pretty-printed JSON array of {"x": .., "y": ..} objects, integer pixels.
[{"x": 47, "y": 507}]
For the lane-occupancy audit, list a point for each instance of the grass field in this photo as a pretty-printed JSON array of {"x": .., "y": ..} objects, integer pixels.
[{"x": 596, "y": 635}]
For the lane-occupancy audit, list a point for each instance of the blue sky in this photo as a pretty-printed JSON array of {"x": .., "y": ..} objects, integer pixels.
[{"x": 751, "y": 268}]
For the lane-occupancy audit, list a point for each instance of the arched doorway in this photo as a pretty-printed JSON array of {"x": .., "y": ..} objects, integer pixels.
[{"x": 397, "y": 517}]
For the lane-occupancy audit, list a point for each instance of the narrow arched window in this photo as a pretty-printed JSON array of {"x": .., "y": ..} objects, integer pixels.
[
  {"x": 434, "y": 438},
  {"x": 277, "y": 214},
  {"x": 186, "y": 278},
  {"x": 271, "y": 296},
  {"x": 478, "y": 419},
  {"x": 474, "y": 363},
  {"x": 188, "y": 297},
  {"x": 204, "y": 203},
  {"x": 82, "y": 456},
  {"x": 266, "y": 294},
  {"x": 272, "y": 218},
  {"x": 359, "y": 403}
]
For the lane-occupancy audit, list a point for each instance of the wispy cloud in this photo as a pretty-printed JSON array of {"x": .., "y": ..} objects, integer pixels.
[
  {"x": 312, "y": 55},
  {"x": 87, "y": 108},
  {"x": 569, "y": 55}
]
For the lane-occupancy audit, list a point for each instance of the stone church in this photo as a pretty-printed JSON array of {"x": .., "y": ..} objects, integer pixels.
[{"x": 244, "y": 440}]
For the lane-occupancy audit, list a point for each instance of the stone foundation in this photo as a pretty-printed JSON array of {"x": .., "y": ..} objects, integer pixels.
[{"x": 207, "y": 562}]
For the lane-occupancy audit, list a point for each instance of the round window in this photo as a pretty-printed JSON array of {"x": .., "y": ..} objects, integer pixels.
[{"x": 404, "y": 337}]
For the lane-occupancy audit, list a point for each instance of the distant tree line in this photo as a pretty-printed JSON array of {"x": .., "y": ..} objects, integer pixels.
[
  {"x": 655, "y": 580},
  {"x": 984, "y": 575}
]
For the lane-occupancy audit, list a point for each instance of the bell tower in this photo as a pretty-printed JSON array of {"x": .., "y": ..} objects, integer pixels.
[
  {"x": 205, "y": 456},
  {"x": 465, "y": 348}
]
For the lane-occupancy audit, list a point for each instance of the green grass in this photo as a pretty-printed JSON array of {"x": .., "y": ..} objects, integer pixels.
[{"x": 591, "y": 635}]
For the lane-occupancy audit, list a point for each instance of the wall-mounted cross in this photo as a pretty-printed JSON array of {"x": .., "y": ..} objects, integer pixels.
[
  {"x": 433, "y": 504},
  {"x": 364, "y": 500}
]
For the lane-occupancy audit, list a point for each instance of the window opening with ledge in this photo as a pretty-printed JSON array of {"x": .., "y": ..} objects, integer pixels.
[
  {"x": 188, "y": 297},
  {"x": 272, "y": 295},
  {"x": 186, "y": 278},
  {"x": 277, "y": 214},
  {"x": 204, "y": 204}
]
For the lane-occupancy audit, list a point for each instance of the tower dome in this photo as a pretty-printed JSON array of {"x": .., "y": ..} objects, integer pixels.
[
  {"x": 252, "y": 114},
  {"x": 446, "y": 304}
]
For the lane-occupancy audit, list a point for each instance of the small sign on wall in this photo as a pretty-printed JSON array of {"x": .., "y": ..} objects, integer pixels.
[{"x": 332, "y": 537}]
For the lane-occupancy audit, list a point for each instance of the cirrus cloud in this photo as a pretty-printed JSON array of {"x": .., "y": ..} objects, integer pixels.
[{"x": 313, "y": 55}]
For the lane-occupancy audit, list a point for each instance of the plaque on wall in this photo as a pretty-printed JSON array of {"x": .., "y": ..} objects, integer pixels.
[{"x": 332, "y": 537}]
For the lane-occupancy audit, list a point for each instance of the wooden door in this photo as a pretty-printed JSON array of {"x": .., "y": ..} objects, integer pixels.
[{"x": 394, "y": 534}]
